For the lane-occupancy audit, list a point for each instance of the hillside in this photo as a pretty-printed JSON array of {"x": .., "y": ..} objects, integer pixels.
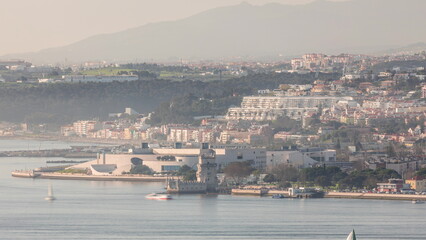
[{"x": 66, "y": 102}]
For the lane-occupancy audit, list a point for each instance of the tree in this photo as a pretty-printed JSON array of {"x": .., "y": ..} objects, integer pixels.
[
  {"x": 191, "y": 175},
  {"x": 141, "y": 169},
  {"x": 421, "y": 172},
  {"x": 269, "y": 178},
  {"x": 238, "y": 170},
  {"x": 418, "y": 150},
  {"x": 183, "y": 170},
  {"x": 323, "y": 181},
  {"x": 284, "y": 174},
  {"x": 284, "y": 123},
  {"x": 188, "y": 173}
]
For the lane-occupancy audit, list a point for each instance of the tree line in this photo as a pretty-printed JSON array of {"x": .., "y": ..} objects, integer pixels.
[{"x": 287, "y": 176}]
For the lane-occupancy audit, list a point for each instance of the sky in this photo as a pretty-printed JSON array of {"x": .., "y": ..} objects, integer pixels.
[{"x": 32, "y": 25}]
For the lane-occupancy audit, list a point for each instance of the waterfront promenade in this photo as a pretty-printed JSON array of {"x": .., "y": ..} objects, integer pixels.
[
  {"x": 349, "y": 195},
  {"x": 379, "y": 196}
]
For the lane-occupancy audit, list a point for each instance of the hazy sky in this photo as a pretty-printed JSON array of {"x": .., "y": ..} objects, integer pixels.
[{"x": 31, "y": 25}]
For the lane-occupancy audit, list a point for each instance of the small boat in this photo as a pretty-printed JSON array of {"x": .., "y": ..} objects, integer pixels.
[
  {"x": 50, "y": 196},
  {"x": 417, "y": 201},
  {"x": 351, "y": 236},
  {"x": 158, "y": 196},
  {"x": 277, "y": 196}
]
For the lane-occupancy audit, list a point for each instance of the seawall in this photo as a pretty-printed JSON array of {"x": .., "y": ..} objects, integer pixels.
[{"x": 254, "y": 192}]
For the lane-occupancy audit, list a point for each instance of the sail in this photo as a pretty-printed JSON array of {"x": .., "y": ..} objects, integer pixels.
[
  {"x": 351, "y": 236},
  {"x": 50, "y": 196},
  {"x": 50, "y": 191}
]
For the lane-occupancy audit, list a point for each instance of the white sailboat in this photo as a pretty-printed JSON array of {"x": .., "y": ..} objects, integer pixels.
[
  {"x": 351, "y": 236},
  {"x": 50, "y": 196}
]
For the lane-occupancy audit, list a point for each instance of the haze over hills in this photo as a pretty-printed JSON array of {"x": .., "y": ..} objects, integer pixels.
[{"x": 246, "y": 30}]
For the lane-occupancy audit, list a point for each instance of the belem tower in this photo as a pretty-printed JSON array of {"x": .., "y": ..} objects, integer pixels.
[{"x": 206, "y": 176}]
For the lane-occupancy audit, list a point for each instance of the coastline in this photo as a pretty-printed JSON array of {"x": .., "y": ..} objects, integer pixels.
[
  {"x": 376, "y": 196},
  {"x": 246, "y": 192},
  {"x": 371, "y": 196}
]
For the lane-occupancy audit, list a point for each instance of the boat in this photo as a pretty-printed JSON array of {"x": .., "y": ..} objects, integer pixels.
[
  {"x": 351, "y": 236},
  {"x": 417, "y": 201},
  {"x": 277, "y": 196},
  {"x": 158, "y": 196},
  {"x": 50, "y": 196}
]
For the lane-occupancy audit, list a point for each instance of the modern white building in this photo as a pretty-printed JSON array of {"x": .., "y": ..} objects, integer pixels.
[
  {"x": 261, "y": 108},
  {"x": 171, "y": 159},
  {"x": 303, "y": 158},
  {"x": 293, "y": 158}
]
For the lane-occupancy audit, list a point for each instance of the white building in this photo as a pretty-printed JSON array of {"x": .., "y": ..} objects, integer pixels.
[
  {"x": 82, "y": 128},
  {"x": 303, "y": 158},
  {"x": 292, "y": 158},
  {"x": 171, "y": 159},
  {"x": 261, "y": 108}
]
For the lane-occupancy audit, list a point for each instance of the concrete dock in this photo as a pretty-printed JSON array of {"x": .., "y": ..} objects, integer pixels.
[{"x": 253, "y": 192}]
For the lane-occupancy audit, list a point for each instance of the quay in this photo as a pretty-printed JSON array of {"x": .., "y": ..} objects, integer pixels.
[
  {"x": 248, "y": 191},
  {"x": 378, "y": 196},
  {"x": 347, "y": 195}
]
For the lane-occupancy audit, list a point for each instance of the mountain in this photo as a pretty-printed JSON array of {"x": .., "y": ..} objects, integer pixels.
[
  {"x": 409, "y": 49},
  {"x": 247, "y": 30}
]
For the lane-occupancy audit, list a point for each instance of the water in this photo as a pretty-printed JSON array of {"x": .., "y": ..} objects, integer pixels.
[
  {"x": 17, "y": 145},
  {"x": 119, "y": 210}
]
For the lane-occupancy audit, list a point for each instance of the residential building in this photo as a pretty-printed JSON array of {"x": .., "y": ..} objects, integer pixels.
[
  {"x": 392, "y": 186},
  {"x": 417, "y": 183},
  {"x": 261, "y": 108},
  {"x": 82, "y": 128}
]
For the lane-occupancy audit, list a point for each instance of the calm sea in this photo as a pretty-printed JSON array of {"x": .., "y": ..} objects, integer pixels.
[
  {"x": 119, "y": 210},
  {"x": 16, "y": 145}
]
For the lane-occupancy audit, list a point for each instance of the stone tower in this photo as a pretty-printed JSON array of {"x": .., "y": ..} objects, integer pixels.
[{"x": 207, "y": 168}]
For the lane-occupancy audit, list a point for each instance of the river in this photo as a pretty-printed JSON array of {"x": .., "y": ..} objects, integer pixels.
[
  {"x": 119, "y": 210},
  {"x": 25, "y": 145}
]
